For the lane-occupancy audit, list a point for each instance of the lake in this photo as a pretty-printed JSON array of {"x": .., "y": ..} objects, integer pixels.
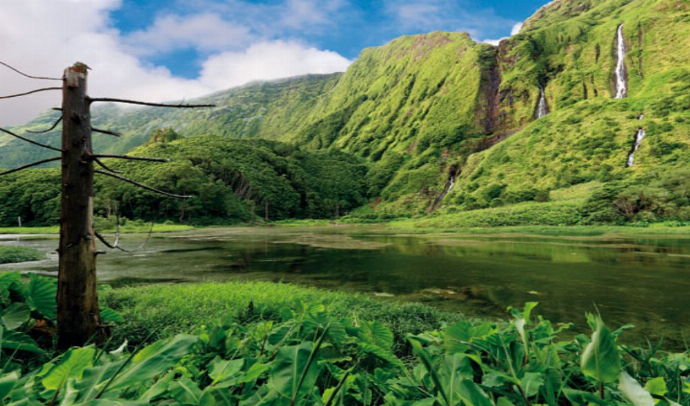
[{"x": 644, "y": 281}]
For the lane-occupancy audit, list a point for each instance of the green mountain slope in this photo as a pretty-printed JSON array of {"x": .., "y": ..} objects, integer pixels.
[{"x": 448, "y": 124}]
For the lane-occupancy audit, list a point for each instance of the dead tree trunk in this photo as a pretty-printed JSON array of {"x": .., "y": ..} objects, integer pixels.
[{"x": 78, "y": 313}]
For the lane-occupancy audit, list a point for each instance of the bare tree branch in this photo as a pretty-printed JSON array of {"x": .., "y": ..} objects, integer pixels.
[
  {"x": 48, "y": 130},
  {"x": 25, "y": 75},
  {"x": 98, "y": 130},
  {"x": 132, "y": 158},
  {"x": 29, "y": 141},
  {"x": 21, "y": 168},
  {"x": 45, "y": 89},
  {"x": 104, "y": 166},
  {"x": 141, "y": 185},
  {"x": 177, "y": 106},
  {"x": 115, "y": 246}
]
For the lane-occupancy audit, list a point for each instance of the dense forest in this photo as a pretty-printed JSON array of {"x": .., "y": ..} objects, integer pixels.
[{"x": 228, "y": 181}]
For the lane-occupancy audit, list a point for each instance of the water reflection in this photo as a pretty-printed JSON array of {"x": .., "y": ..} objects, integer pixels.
[{"x": 642, "y": 281}]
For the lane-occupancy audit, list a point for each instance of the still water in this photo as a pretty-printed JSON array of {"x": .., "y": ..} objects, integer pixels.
[{"x": 643, "y": 281}]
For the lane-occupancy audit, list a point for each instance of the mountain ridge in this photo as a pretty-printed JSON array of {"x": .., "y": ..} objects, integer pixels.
[{"x": 432, "y": 112}]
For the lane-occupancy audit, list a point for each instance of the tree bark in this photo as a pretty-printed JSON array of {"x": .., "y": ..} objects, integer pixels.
[{"x": 78, "y": 312}]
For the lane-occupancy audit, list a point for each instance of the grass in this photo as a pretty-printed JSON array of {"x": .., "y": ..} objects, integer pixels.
[
  {"x": 12, "y": 254},
  {"x": 132, "y": 227},
  {"x": 158, "y": 311},
  {"x": 301, "y": 223}
]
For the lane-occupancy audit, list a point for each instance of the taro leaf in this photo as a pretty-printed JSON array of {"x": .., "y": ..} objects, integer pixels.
[
  {"x": 290, "y": 365},
  {"x": 7, "y": 382},
  {"x": 73, "y": 365},
  {"x": 531, "y": 383},
  {"x": 222, "y": 371},
  {"x": 110, "y": 315},
  {"x": 42, "y": 296},
  {"x": 600, "y": 359},
  {"x": 216, "y": 396},
  {"x": 7, "y": 279},
  {"x": 429, "y": 365},
  {"x": 115, "y": 402},
  {"x": 154, "y": 360},
  {"x": 656, "y": 386},
  {"x": 185, "y": 391},
  {"x": 495, "y": 379},
  {"x": 94, "y": 379},
  {"x": 425, "y": 402},
  {"x": 579, "y": 397},
  {"x": 14, "y": 340},
  {"x": 15, "y": 315},
  {"x": 454, "y": 370},
  {"x": 377, "y": 334},
  {"x": 455, "y": 335},
  {"x": 633, "y": 391},
  {"x": 472, "y": 395},
  {"x": 379, "y": 352},
  {"x": 253, "y": 373},
  {"x": 159, "y": 388},
  {"x": 504, "y": 402}
]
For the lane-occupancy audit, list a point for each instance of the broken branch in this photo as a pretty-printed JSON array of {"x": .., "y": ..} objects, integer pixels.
[
  {"x": 29, "y": 141},
  {"x": 140, "y": 103},
  {"x": 132, "y": 158},
  {"x": 25, "y": 75},
  {"x": 98, "y": 130},
  {"x": 141, "y": 185},
  {"x": 104, "y": 166},
  {"x": 21, "y": 168},
  {"x": 48, "y": 130},
  {"x": 45, "y": 89}
]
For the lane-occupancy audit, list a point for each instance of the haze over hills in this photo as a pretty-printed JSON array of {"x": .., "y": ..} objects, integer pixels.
[{"x": 447, "y": 122}]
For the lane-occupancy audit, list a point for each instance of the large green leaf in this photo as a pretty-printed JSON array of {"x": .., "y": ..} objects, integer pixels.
[
  {"x": 14, "y": 340},
  {"x": 154, "y": 360},
  {"x": 377, "y": 334},
  {"x": 72, "y": 365},
  {"x": 455, "y": 369},
  {"x": 601, "y": 360},
  {"x": 472, "y": 395},
  {"x": 42, "y": 296},
  {"x": 455, "y": 335},
  {"x": 531, "y": 383},
  {"x": 15, "y": 315},
  {"x": 94, "y": 379},
  {"x": 224, "y": 371},
  {"x": 290, "y": 365},
  {"x": 110, "y": 315},
  {"x": 185, "y": 391},
  {"x": 7, "y": 382}
]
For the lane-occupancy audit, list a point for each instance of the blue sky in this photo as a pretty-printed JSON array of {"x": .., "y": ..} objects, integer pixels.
[
  {"x": 161, "y": 50},
  {"x": 342, "y": 26}
]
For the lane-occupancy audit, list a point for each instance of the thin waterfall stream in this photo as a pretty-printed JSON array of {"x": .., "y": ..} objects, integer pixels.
[
  {"x": 543, "y": 108},
  {"x": 638, "y": 140},
  {"x": 621, "y": 84}
]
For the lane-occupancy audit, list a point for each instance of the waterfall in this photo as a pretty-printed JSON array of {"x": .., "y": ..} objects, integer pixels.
[
  {"x": 543, "y": 108},
  {"x": 638, "y": 140},
  {"x": 450, "y": 186},
  {"x": 621, "y": 85}
]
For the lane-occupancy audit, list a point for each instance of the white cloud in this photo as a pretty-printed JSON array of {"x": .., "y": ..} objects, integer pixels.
[
  {"x": 206, "y": 32},
  {"x": 42, "y": 37},
  {"x": 268, "y": 60},
  {"x": 514, "y": 31}
]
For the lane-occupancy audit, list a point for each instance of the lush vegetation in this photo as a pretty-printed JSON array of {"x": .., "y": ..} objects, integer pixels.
[
  {"x": 229, "y": 181},
  {"x": 10, "y": 254},
  {"x": 428, "y": 111},
  {"x": 309, "y": 353}
]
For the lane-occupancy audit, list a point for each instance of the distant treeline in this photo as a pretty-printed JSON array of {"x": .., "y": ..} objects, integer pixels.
[{"x": 229, "y": 181}]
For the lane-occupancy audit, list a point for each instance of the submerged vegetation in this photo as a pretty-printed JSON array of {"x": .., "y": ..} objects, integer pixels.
[{"x": 10, "y": 254}]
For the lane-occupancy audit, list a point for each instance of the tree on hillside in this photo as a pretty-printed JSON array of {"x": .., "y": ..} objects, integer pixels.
[{"x": 78, "y": 314}]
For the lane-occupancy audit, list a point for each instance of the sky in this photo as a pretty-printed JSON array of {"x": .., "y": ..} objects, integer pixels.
[{"x": 159, "y": 50}]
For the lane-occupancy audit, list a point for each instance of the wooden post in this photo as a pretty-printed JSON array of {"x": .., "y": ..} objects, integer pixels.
[{"x": 78, "y": 313}]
